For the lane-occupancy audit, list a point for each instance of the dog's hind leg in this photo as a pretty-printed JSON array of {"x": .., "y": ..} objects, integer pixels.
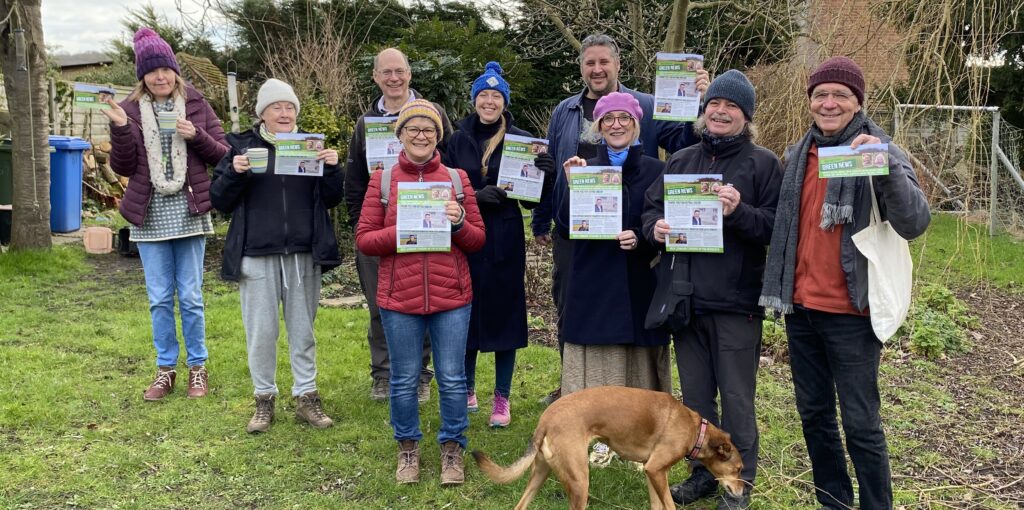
[{"x": 537, "y": 478}]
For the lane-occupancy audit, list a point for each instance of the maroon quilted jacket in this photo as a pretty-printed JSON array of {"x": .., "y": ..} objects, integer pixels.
[
  {"x": 128, "y": 157},
  {"x": 418, "y": 283}
]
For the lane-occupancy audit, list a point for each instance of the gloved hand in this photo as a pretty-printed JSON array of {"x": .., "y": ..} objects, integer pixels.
[
  {"x": 545, "y": 163},
  {"x": 490, "y": 195}
]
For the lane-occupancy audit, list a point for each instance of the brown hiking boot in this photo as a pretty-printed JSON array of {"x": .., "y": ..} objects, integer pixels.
[
  {"x": 452, "y": 470},
  {"x": 408, "y": 462},
  {"x": 311, "y": 411},
  {"x": 423, "y": 392},
  {"x": 162, "y": 385},
  {"x": 197, "y": 381},
  {"x": 260, "y": 421}
]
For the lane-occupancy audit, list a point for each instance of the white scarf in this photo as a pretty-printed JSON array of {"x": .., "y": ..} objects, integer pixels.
[{"x": 154, "y": 148}]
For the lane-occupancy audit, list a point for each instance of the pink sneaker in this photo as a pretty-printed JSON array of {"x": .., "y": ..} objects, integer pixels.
[
  {"x": 471, "y": 403},
  {"x": 502, "y": 415}
]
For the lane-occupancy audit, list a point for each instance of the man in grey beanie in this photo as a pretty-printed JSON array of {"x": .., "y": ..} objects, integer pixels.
[{"x": 718, "y": 351}]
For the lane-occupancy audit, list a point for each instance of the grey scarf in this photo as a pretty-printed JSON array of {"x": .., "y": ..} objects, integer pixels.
[{"x": 837, "y": 209}]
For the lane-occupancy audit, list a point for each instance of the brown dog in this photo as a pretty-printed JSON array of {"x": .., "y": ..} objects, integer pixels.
[{"x": 643, "y": 426}]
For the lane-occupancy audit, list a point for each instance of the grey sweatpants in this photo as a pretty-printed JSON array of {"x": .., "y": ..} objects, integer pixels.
[{"x": 268, "y": 282}]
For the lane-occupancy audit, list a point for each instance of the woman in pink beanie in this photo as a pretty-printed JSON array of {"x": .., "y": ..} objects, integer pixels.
[{"x": 167, "y": 201}]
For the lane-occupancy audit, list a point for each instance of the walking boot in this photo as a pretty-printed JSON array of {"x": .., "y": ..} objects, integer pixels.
[
  {"x": 700, "y": 484},
  {"x": 311, "y": 411},
  {"x": 264, "y": 415},
  {"x": 380, "y": 389},
  {"x": 408, "y": 462},
  {"x": 452, "y": 469},
  {"x": 197, "y": 381},
  {"x": 162, "y": 385}
]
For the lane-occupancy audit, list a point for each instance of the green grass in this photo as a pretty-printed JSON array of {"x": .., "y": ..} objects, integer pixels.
[
  {"x": 74, "y": 432},
  {"x": 962, "y": 253}
]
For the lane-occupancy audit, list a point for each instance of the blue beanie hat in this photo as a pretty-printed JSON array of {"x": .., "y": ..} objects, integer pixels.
[
  {"x": 491, "y": 79},
  {"x": 733, "y": 86}
]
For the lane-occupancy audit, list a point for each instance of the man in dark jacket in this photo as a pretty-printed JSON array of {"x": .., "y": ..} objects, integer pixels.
[
  {"x": 569, "y": 135},
  {"x": 392, "y": 74},
  {"x": 816, "y": 276},
  {"x": 718, "y": 352}
]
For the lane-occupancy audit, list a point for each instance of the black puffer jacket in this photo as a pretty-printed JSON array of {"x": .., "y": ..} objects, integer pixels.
[{"x": 275, "y": 214}]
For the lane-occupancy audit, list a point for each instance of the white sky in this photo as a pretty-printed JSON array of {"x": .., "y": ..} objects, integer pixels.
[{"x": 75, "y": 26}]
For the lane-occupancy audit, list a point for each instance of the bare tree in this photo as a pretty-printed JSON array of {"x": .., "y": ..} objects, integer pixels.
[{"x": 23, "y": 58}]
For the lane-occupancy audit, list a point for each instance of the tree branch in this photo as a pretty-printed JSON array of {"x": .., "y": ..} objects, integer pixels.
[{"x": 735, "y": 5}]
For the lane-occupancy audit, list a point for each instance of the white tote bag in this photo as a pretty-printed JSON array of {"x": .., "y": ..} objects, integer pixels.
[{"x": 890, "y": 272}]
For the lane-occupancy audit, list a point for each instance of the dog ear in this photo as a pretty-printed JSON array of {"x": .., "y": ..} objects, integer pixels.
[{"x": 721, "y": 444}]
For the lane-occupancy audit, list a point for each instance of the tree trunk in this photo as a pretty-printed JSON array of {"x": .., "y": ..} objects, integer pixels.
[
  {"x": 27, "y": 100},
  {"x": 676, "y": 38}
]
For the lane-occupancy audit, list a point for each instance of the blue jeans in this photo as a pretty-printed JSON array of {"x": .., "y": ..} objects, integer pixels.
[
  {"x": 504, "y": 365},
  {"x": 448, "y": 332},
  {"x": 830, "y": 354},
  {"x": 169, "y": 266}
]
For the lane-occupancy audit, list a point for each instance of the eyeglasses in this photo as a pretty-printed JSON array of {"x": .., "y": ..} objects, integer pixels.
[
  {"x": 387, "y": 73},
  {"x": 624, "y": 120},
  {"x": 413, "y": 132},
  {"x": 839, "y": 97}
]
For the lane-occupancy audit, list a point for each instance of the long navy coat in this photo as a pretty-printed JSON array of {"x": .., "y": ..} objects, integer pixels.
[
  {"x": 498, "y": 318},
  {"x": 610, "y": 288}
]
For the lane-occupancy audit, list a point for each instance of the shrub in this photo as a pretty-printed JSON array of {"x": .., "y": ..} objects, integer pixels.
[{"x": 938, "y": 323}]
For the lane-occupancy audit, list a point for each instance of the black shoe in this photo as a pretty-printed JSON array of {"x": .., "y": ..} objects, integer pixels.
[
  {"x": 700, "y": 484},
  {"x": 727, "y": 501}
]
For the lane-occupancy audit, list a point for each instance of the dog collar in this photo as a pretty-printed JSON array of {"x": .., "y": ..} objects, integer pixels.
[{"x": 700, "y": 440}]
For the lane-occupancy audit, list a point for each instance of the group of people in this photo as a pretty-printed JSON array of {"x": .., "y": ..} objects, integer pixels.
[{"x": 786, "y": 232}]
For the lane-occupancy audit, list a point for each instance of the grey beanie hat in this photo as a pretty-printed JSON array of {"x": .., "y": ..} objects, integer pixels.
[{"x": 734, "y": 86}]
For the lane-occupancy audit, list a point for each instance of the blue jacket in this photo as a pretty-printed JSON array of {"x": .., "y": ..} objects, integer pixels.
[
  {"x": 498, "y": 316},
  {"x": 564, "y": 133},
  {"x": 610, "y": 288}
]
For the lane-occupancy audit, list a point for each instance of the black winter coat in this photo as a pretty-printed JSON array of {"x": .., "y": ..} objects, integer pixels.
[
  {"x": 610, "y": 288},
  {"x": 729, "y": 281},
  {"x": 275, "y": 214},
  {"x": 498, "y": 318}
]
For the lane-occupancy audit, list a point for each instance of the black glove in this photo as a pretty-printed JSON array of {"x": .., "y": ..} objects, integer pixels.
[
  {"x": 545, "y": 163},
  {"x": 490, "y": 195}
]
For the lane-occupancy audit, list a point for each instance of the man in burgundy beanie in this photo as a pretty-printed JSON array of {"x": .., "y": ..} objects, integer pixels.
[{"x": 818, "y": 279}]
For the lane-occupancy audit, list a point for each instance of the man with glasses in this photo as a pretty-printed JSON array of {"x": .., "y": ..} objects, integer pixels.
[
  {"x": 570, "y": 135},
  {"x": 819, "y": 280},
  {"x": 392, "y": 74}
]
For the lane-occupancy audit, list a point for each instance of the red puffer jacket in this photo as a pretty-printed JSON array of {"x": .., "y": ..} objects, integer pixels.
[{"x": 418, "y": 283}]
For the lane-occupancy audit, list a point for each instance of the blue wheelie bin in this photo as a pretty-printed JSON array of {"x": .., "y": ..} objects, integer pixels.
[{"x": 66, "y": 183}]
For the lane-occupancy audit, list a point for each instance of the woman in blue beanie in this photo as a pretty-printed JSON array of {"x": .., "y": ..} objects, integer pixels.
[{"x": 498, "y": 320}]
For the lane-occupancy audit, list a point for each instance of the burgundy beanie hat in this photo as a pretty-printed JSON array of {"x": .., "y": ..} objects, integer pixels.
[
  {"x": 840, "y": 70},
  {"x": 152, "y": 52},
  {"x": 617, "y": 101}
]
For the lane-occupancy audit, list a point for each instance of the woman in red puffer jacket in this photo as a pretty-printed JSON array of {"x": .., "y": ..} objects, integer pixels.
[{"x": 417, "y": 291}]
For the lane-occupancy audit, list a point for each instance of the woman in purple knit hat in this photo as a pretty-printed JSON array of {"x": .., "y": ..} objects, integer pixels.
[{"x": 167, "y": 201}]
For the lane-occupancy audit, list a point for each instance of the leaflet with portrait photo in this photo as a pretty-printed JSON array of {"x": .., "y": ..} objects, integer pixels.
[
  {"x": 675, "y": 86},
  {"x": 845, "y": 161},
  {"x": 382, "y": 145},
  {"x": 595, "y": 202},
  {"x": 421, "y": 222},
  {"x": 518, "y": 176},
  {"x": 295, "y": 154},
  {"x": 694, "y": 213},
  {"x": 93, "y": 97}
]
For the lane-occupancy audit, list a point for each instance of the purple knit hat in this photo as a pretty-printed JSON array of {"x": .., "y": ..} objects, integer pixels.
[
  {"x": 617, "y": 101},
  {"x": 840, "y": 70},
  {"x": 152, "y": 52}
]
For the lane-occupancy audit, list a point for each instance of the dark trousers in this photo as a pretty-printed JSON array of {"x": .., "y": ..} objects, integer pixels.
[
  {"x": 831, "y": 354},
  {"x": 504, "y": 365},
  {"x": 561, "y": 255},
  {"x": 718, "y": 354},
  {"x": 380, "y": 364}
]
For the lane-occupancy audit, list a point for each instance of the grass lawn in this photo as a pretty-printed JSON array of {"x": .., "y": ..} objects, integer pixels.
[{"x": 76, "y": 353}]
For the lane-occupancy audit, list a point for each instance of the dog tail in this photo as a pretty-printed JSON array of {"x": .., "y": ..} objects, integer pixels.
[{"x": 509, "y": 474}]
